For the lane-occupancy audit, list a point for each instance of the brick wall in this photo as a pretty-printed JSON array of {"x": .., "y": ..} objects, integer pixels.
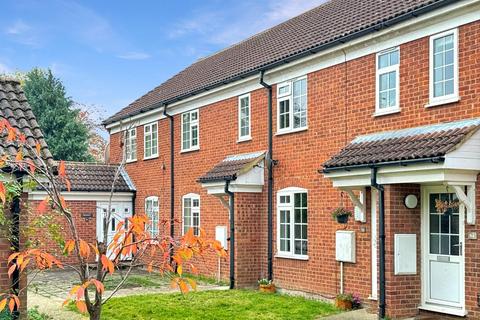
[
  {"x": 341, "y": 103},
  {"x": 86, "y": 229}
]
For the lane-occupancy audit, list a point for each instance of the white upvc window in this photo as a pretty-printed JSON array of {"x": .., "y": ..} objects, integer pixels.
[
  {"x": 152, "y": 212},
  {"x": 292, "y": 105},
  {"x": 292, "y": 212},
  {"x": 131, "y": 145},
  {"x": 190, "y": 131},
  {"x": 244, "y": 118},
  {"x": 191, "y": 213},
  {"x": 388, "y": 82},
  {"x": 150, "y": 141},
  {"x": 444, "y": 67}
]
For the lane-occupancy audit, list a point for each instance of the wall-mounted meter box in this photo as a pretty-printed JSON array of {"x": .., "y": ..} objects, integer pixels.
[
  {"x": 221, "y": 235},
  {"x": 345, "y": 246}
]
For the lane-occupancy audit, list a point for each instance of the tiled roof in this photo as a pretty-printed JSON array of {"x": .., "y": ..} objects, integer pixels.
[
  {"x": 408, "y": 144},
  {"x": 232, "y": 166},
  {"x": 310, "y": 32},
  {"x": 15, "y": 108},
  {"x": 84, "y": 176}
]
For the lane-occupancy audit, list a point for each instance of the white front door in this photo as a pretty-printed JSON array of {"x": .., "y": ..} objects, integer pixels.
[
  {"x": 443, "y": 254},
  {"x": 120, "y": 211}
]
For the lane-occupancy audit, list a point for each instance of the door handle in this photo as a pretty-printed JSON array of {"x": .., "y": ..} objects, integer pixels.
[{"x": 460, "y": 247}]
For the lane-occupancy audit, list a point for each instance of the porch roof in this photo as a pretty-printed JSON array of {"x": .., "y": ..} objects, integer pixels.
[
  {"x": 426, "y": 142},
  {"x": 232, "y": 166}
]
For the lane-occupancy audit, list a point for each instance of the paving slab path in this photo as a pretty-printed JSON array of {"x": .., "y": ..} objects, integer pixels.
[
  {"x": 361, "y": 314},
  {"x": 49, "y": 289}
]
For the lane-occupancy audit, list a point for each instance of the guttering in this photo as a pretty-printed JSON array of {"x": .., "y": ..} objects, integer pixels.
[
  {"x": 307, "y": 52},
  {"x": 270, "y": 163},
  {"x": 383, "y": 164},
  {"x": 381, "y": 231},
  {"x": 231, "y": 196},
  {"x": 172, "y": 177}
]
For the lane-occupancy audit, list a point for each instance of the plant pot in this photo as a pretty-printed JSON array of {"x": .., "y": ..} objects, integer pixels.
[
  {"x": 270, "y": 288},
  {"x": 343, "y": 304},
  {"x": 342, "y": 218}
]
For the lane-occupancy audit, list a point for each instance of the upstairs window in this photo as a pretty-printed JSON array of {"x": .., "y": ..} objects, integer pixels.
[
  {"x": 131, "y": 145},
  {"x": 150, "y": 141},
  {"x": 244, "y": 118},
  {"x": 152, "y": 210},
  {"x": 191, "y": 213},
  {"x": 292, "y": 212},
  {"x": 388, "y": 81},
  {"x": 190, "y": 131},
  {"x": 444, "y": 67},
  {"x": 292, "y": 105}
]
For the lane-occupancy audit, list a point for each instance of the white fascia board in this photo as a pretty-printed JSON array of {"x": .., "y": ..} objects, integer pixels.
[
  {"x": 218, "y": 187},
  {"x": 449, "y": 17},
  {"x": 84, "y": 196},
  {"x": 419, "y": 174}
]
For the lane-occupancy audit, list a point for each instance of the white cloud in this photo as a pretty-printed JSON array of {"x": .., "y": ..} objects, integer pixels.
[
  {"x": 250, "y": 18},
  {"x": 23, "y": 33},
  {"x": 4, "y": 68},
  {"x": 134, "y": 55}
]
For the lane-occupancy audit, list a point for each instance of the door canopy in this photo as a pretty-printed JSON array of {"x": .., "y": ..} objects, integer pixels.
[
  {"x": 444, "y": 153},
  {"x": 244, "y": 171}
]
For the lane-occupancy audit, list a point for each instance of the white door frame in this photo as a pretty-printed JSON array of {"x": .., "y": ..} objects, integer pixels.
[{"x": 425, "y": 304}]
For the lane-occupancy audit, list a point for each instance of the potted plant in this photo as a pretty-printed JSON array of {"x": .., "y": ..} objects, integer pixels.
[
  {"x": 266, "y": 285},
  {"x": 344, "y": 301},
  {"x": 341, "y": 215}
]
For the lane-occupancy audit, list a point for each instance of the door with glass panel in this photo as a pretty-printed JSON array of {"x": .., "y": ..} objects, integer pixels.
[{"x": 444, "y": 254}]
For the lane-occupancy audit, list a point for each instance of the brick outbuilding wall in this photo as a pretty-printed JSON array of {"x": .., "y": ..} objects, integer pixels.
[{"x": 341, "y": 104}]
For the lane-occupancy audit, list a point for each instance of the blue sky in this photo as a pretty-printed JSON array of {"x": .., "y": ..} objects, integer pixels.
[{"x": 108, "y": 53}]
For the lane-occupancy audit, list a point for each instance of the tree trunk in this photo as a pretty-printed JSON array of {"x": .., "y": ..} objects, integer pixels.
[{"x": 95, "y": 314}]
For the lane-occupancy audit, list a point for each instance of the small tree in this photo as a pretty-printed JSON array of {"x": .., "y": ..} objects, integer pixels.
[{"x": 172, "y": 255}]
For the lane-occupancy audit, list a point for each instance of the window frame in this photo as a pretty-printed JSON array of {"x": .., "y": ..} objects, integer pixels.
[
  {"x": 156, "y": 232},
  {"x": 249, "y": 136},
  {"x": 150, "y": 125},
  {"x": 195, "y": 123},
  {"x": 289, "y": 96},
  {"x": 378, "y": 72},
  {"x": 128, "y": 142},
  {"x": 191, "y": 196},
  {"x": 291, "y": 191},
  {"x": 453, "y": 97}
]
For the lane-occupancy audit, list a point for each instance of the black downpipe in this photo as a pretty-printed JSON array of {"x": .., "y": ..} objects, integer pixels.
[
  {"x": 270, "y": 163},
  {"x": 231, "y": 197},
  {"x": 15, "y": 211},
  {"x": 172, "y": 178},
  {"x": 381, "y": 227}
]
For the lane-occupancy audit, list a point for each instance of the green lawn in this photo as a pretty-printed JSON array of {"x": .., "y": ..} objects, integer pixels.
[{"x": 232, "y": 304}]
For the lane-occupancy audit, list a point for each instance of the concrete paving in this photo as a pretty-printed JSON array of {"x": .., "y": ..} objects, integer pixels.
[{"x": 361, "y": 314}]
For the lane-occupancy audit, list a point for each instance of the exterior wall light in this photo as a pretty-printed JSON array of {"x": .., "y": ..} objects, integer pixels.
[{"x": 411, "y": 201}]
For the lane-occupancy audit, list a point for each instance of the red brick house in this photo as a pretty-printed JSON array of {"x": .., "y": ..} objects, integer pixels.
[
  {"x": 370, "y": 105},
  {"x": 89, "y": 198}
]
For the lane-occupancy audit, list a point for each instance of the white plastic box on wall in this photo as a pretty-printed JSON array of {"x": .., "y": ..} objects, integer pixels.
[
  {"x": 221, "y": 235},
  {"x": 405, "y": 254},
  {"x": 345, "y": 246}
]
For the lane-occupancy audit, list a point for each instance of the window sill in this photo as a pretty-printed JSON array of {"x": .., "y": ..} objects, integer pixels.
[
  {"x": 280, "y": 133},
  {"x": 371, "y": 298},
  {"x": 442, "y": 102},
  {"x": 292, "y": 257},
  {"x": 131, "y": 161},
  {"x": 151, "y": 157},
  {"x": 380, "y": 113},
  {"x": 190, "y": 150},
  {"x": 244, "y": 139}
]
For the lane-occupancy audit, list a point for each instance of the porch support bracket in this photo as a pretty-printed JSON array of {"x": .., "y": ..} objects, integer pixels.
[
  {"x": 359, "y": 203},
  {"x": 224, "y": 202},
  {"x": 467, "y": 199}
]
